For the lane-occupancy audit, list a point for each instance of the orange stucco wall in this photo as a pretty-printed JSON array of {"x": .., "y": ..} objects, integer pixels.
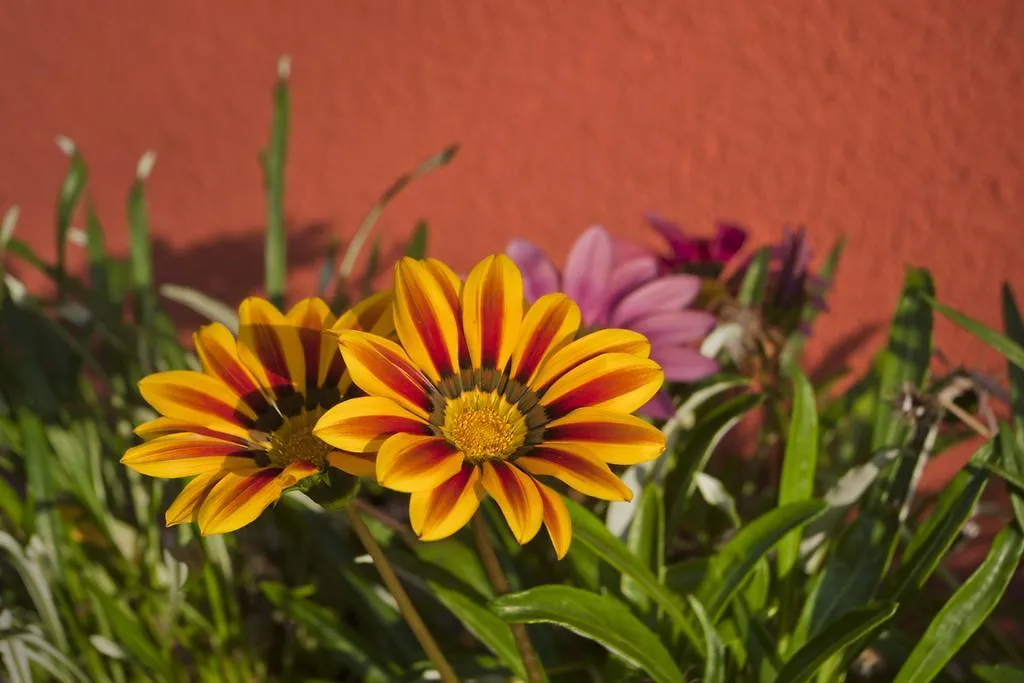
[{"x": 897, "y": 123}]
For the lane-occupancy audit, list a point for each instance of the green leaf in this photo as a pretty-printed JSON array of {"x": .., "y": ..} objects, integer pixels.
[
  {"x": 588, "y": 530},
  {"x": 714, "y": 660},
  {"x": 482, "y": 623},
  {"x": 933, "y": 539},
  {"x": 67, "y": 201},
  {"x": 1012, "y": 351},
  {"x": 839, "y": 635},
  {"x": 731, "y": 565},
  {"x": 799, "y": 463},
  {"x": 129, "y": 632},
  {"x": 714, "y": 493},
  {"x": 272, "y": 161},
  {"x": 907, "y": 356},
  {"x": 366, "y": 226},
  {"x": 34, "y": 577},
  {"x": 685, "y": 577},
  {"x": 416, "y": 248},
  {"x": 1012, "y": 471},
  {"x": 203, "y": 304},
  {"x": 1014, "y": 326},
  {"x": 999, "y": 674},
  {"x": 966, "y": 611},
  {"x": 600, "y": 618},
  {"x": 41, "y": 502},
  {"x": 755, "y": 281},
  {"x": 701, "y": 443},
  {"x": 646, "y": 540}
]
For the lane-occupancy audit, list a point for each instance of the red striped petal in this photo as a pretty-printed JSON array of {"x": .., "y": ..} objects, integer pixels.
[
  {"x": 199, "y": 399},
  {"x": 184, "y": 455},
  {"x": 184, "y": 507},
  {"x": 311, "y": 317},
  {"x": 362, "y": 424},
  {"x": 549, "y": 324},
  {"x": 425, "y": 321},
  {"x": 577, "y": 468},
  {"x": 615, "y": 381},
  {"x": 516, "y": 494},
  {"x": 492, "y": 311},
  {"x": 270, "y": 347},
  {"x": 440, "y": 512},
  {"x": 411, "y": 462},
  {"x": 452, "y": 286},
  {"x": 589, "y": 346},
  {"x": 218, "y": 352},
  {"x": 381, "y": 367},
  {"x": 556, "y": 519},
  {"x": 612, "y": 436}
]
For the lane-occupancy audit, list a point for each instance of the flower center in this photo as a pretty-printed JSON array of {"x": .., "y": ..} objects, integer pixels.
[
  {"x": 294, "y": 441},
  {"x": 483, "y": 425}
]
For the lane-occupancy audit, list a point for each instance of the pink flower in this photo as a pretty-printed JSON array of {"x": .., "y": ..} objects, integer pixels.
[
  {"x": 698, "y": 251},
  {"x": 618, "y": 284}
]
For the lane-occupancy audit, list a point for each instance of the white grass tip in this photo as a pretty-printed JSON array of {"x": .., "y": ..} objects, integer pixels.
[
  {"x": 77, "y": 236},
  {"x": 145, "y": 165},
  {"x": 7, "y": 224},
  {"x": 284, "y": 67},
  {"x": 66, "y": 144}
]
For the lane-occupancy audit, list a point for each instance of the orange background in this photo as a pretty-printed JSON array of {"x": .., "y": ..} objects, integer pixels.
[{"x": 898, "y": 124}]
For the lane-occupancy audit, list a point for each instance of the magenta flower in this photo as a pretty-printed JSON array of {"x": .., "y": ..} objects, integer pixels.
[
  {"x": 619, "y": 284},
  {"x": 700, "y": 252}
]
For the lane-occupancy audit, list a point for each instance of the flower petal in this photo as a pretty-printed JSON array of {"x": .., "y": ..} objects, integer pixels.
[
  {"x": 540, "y": 276},
  {"x": 556, "y": 519},
  {"x": 630, "y": 275},
  {"x": 658, "y": 408},
  {"x": 356, "y": 464},
  {"x": 669, "y": 293},
  {"x": 682, "y": 364},
  {"x": 551, "y": 322},
  {"x": 310, "y": 317},
  {"x": 270, "y": 348},
  {"x": 198, "y": 399},
  {"x": 184, "y": 507},
  {"x": 425, "y": 320},
  {"x": 614, "y": 381},
  {"x": 492, "y": 311},
  {"x": 681, "y": 245},
  {"x": 440, "y": 512},
  {"x": 611, "y": 436},
  {"x": 578, "y": 468},
  {"x": 516, "y": 494},
  {"x": 452, "y": 286},
  {"x": 587, "y": 272},
  {"x": 374, "y": 315},
  {"x": 674, "y": 327},
  {"x": 380, "y": 367},
  {"x": 360, "y": 425},
  {"x": 413, "y": 462},
  {"x": 184, "y": 455},
  {"x": 589, "y": 346},
  {"x": 218, "y": 353},
  {"x": 240, "y": 496},
  {"x": 728, "y": 241}
]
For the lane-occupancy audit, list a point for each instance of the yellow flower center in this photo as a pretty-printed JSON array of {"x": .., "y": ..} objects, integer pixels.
[
  {"x": 483, "y": 425},
  {"x": 294, "y": 441}
]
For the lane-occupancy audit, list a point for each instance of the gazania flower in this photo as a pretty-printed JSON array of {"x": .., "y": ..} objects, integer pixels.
[
  {"x": 243, "y": 426},
  {"x": 485, "y": 395},
  {"x": 621, "y": 285}
]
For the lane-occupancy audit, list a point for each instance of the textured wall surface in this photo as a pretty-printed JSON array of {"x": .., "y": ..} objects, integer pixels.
[{"x": 896, "y": 123}]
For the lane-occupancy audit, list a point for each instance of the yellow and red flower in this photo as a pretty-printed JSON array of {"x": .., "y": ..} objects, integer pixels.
[
  {"x": 243, "y": 426},
  {"x": 486, "y": 393}
]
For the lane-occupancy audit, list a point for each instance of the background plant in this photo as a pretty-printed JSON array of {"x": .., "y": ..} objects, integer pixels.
[{"x": 811, "y": 558}]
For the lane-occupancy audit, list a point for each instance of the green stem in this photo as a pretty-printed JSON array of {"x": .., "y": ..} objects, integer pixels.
[
  {"x": 412, "y": 617},
  {"x": 534, "y": 672}
]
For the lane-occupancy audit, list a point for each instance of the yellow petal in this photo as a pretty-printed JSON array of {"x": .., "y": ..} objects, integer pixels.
[
  {"x": 617, "y": 382},
  {"x": 410, "y": 462},
  {"x": 516, "y": 494},
  {"x": 361, "y": 425},
  {"x": 218, "y": 352},
  {"x": 452, "y": 286},
  {"x": 374, "y": 315},
  {"x": 356, "y": 464},
  {"x": 612, "y": 436},
  {"x": 551, "y": 322},
  {"x": 577, "y": 468},
  {"x": 589, "y": 346},
  {"x": 198, "y": 399},
  {"x": 492, "y": 311},
  {"x": 439, "y": 513},
  {"x": 240, "y": 496},
  {"x": 425, "y": 320},
  {"x": 270, "y": 347},
  {"x": 184, "y": 455},
  {"x": 381, "y": 367},
  {"x": 556, "y": 519},
  {"x": 184, "y": 507},
  {"x": 310, "y": 317}
]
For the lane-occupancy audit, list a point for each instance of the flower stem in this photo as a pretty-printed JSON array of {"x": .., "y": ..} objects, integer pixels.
[
  {"x": 412, "y": 617},
  {"x": 534, "y": 673}
]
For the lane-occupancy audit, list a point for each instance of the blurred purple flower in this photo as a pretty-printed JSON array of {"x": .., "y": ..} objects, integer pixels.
[
  {"x": 687, "y": 251},
  {"x": 619, "y": 284}
]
